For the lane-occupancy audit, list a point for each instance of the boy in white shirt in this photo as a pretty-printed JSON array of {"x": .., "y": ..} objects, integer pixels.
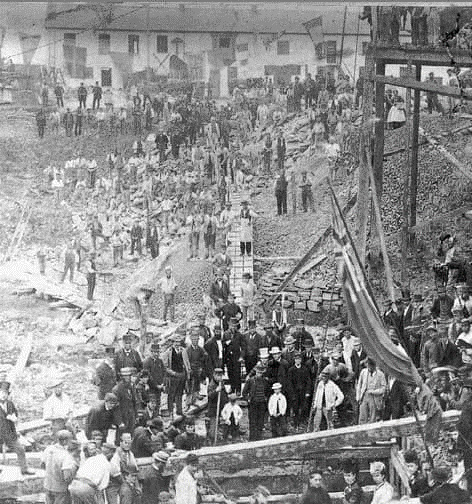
[
  {"x": 231, "y": 415},
  {"x": 277, "y": 409}
]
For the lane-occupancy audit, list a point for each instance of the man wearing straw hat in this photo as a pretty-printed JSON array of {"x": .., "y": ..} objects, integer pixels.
[
  {"x": 153, "y": 479},
  {"x": 217, "y": 398}
]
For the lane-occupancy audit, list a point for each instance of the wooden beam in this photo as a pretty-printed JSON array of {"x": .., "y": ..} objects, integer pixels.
[
  {"x": 252, "y": 454},
  {"x": 400, "y": 468},
  {"x": 379, "y": 130},
  {"x": 277, "y": 258},
  {"x": 422, "y": 55},
  {"x": 363, "y": 202},
  {"x": 432, "y": 87},
  {"x": 414, "y": 157}
]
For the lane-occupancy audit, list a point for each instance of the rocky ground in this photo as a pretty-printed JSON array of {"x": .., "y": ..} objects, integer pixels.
[{"x": 56, "y": 350}]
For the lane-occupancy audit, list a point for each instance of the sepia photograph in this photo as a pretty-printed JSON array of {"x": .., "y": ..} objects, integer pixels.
[{"x": 235, "y": 252}]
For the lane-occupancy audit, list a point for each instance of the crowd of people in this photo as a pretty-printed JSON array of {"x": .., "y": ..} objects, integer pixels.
[{"x": 260, "y": 380}]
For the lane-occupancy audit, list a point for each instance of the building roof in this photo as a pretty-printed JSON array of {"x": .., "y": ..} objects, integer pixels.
[{"x": 207, "y": 18}]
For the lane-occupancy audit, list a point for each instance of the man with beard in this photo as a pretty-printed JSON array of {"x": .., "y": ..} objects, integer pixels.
[
  {"x": 105, "y": 376},
  {"x": 156, "y": 369},
  {"x": 277, "y": 369},
  {"x": 125, "y": 392},
  {"x": 214, "y": 349}
]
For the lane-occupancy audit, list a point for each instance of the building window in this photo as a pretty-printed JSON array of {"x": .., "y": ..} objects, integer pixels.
[
  {"x": 133, "y": 44},
  {"x": 242, "y": 47},
  {"x": 106, "y": 77},
  {"x": 103, "y": 43},
  {"x": 331, "y": 52},
  {"x": 162, "y": 45},
  {"x": 225, "y": 42},
  {"x": 70, "y": 38},
  {"x": 283, "y": 47}
]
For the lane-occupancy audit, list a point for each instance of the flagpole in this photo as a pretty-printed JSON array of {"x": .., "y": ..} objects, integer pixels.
[{"x": 378, "y": 222}]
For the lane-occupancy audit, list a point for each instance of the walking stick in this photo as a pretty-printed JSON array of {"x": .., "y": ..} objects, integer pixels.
[{"x": 217, "y": 415}]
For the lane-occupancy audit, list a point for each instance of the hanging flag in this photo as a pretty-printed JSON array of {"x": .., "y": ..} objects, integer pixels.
[
  {"x": 314, "y": 27},
  {"x": 363, "y": 310}
]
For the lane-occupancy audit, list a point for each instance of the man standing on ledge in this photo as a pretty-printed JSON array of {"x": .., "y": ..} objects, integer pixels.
[{"x": 8, "y": 420}]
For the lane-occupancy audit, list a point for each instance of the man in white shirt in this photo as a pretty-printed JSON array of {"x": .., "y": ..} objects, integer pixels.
[
  {"x": 60, "y": 468},
  {"x": 370, "y": 393},
  {"x": 93, "y": 477},
  {"x": 168, "y": 287},
  {"x": 277, "y": 409},
  {"x": 186, "y": 489},
  {"x": 58, "y": 408},
  {"x": 328, "y": 396}
]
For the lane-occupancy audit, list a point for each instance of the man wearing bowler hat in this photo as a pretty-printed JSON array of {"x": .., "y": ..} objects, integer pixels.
[
  {"x": 128, "y": 357},
  {"x": 154, "y": 365},
  {"x": 430, "y": 354},
  {"x": 214, "y": 349},
  {"x": 256, "y": 391},
  {"x": 233, "y": 349},
  {"x": 253, "y": 341},
  {"x": 300, "y": 334},
  {"x": 8, "y": 421},
  {"x": 177, "y": 368},
  {"x": 288, "y": 353},
  {"x": 105, "y": 376}
]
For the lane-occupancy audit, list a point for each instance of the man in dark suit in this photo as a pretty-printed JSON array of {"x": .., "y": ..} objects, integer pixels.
[
  {"x": 281, "y": 150},
  {"x": 396, "y": 400},
  {"x": 128, "y": 357},
  {"x": 253, "y": 341},
  {"x": 125, "y": 392},
  {"x": 103, "y": 417},
  {"x": 8, "y": 420},
  {"x": 105, "y": 376},
  {"x": 219, "y": 289},
  {"x": 230, "y": 310},
  {"x": 358, "y": 357},
  {"x": 214, "y": 349},
  {"x": 154, "y": 365},
  {"x": 233, "y": 349}
]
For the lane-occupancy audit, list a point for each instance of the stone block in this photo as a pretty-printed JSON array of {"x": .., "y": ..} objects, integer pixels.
[
  {"x": 313, "y": 306},
  {"x": 304, "y": 284},
  {"x": 300, "y": 305},
  {"x": 304, "y": 295},
  {"x": 287, "y": 304}
]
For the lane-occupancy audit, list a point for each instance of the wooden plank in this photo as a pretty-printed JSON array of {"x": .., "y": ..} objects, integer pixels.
[
  {"x": 399, "y": 465},
  {"x": 312, "y": 264},
  {"x": 241, "y": 455},
  {"x": 432, "y": 87},
  {"x": 22, "y": 358},
  {"x": 423, "y": 55},
  {"x": 277, "y": 258},
  {"x": 414, "y": 157},
  {"x": 379, "y": 131}
]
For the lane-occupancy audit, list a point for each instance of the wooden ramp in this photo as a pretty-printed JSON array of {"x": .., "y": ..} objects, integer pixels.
[{"x": 241, "y": 264}]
